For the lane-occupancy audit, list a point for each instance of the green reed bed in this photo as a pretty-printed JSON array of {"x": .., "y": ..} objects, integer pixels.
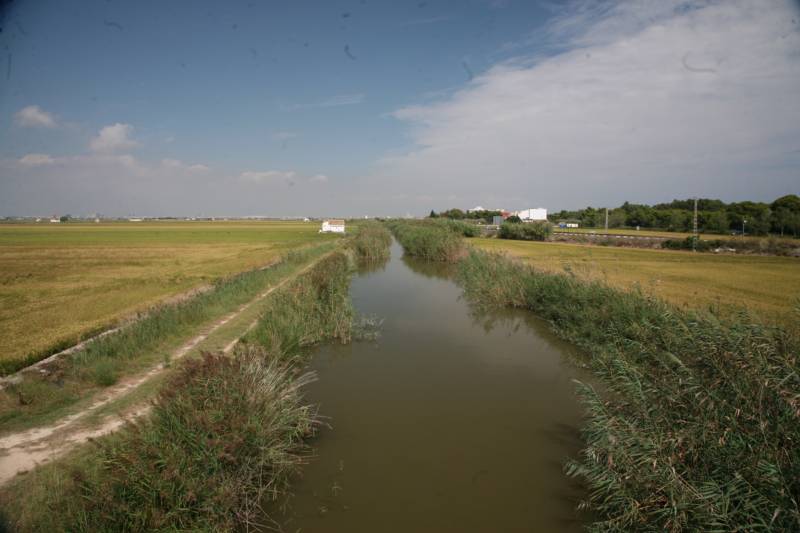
[
  {"x": 371, "y": 242},
  {"x": 224, "y": 436},
  {"x": 429, "y": 240},
  {"x": 698, "y": 424}
]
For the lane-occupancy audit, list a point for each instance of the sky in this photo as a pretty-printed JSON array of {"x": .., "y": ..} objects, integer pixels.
[{"x": 387, "y": 108}]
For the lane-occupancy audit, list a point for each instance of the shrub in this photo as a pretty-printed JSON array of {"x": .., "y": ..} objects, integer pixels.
[{"x": 525, "y": 231}]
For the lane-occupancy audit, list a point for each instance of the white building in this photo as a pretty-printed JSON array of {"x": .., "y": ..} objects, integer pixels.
[
  {"x": 530, "y": 215},
  {"x": 475, "y": 209},
  {"x": 332, "y": 226}
]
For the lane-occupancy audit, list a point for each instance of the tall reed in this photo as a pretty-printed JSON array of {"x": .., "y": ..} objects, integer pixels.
[
  {"x": 371, "y": 242},
  {"x": 698, "y": 423},
  {"x": 428, "y": 240}
]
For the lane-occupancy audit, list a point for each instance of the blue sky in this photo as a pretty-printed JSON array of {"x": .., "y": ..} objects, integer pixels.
[{"x": 367, "y": 107}]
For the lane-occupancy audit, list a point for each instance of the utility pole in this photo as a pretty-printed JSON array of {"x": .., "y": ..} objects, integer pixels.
[
  {"x": 694, "y": 238},
  {"x": 606, "y": 220}
]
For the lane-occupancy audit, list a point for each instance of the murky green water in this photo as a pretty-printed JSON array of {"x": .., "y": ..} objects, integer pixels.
[{"x": 453, "y": 420}]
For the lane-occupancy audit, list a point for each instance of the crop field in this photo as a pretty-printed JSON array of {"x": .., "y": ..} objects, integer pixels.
[
  {"x": 769, "y": 286},
  {"x": 60, "y": 282}
]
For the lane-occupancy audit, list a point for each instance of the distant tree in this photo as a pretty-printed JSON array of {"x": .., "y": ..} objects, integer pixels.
[
  {"x": 784, "y": 211},
  {"x": 790, "y": 202},
  {"x": 514, "y": 219},
  {"x": 616, "y": 217},
  {"x": 454, "y": 213},
  {"x": 716, "y": 222},
  {"x": 433, "y": 214},
  {"x": 65, "y": 218}
]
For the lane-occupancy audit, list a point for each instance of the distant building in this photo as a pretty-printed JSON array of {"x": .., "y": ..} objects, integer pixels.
[
  {"x": 568, "y": 224},
  {"x": 475, "y": 209},
  {"x": 530, "y": 215},
  {"x": 332, "y": 226},
  {"x": 55, "y": 220}
]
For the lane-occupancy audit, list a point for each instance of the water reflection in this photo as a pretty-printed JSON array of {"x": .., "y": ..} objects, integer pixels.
[
  {"x": 430, "y": 269},
  {"x": 372, "y": 266}
]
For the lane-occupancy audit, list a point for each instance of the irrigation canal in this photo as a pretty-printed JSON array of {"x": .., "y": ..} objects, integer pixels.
[{"x": 452, "y": 420}]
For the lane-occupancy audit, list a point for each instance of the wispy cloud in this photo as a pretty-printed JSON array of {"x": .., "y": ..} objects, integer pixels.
[
  {"x": 268, "y": 176},
  {"x": 647, "y": 100},
  {"x": 34, "y": 116},
  {"x": 177, "y": 164},
  {"x": 287, "y": 177},
  {"x": 333, "y": 101},
  {"x": 36, "y": 160}
]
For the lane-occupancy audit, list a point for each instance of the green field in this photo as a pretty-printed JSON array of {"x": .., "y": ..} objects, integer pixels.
[
  {"x": 767, "y": 285},
  {"x": 60, "y": 282}
]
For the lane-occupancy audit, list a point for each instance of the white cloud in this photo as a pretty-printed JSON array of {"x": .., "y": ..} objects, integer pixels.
[
  {"x": 114, "y": 138},
  {"x": 178, "y": 165},
  {"x": 333, "y": 101},
  {"x": 268, "y": 176},
  {"x": 34, "y": 116},
  {"x": 36, "y": 160},
  {"x": 288, "y": 177},
  {"x": 648, "y": 101}
]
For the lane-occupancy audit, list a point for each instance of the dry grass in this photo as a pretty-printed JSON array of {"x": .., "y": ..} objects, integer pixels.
[
  {"x": 767, "y": 285},
  {"x": 58, "y": 283}
]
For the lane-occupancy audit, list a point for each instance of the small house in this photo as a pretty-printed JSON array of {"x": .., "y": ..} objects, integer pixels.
[
  {"x": 530, "y": 215},
  {"x": 332, "y": 226}
]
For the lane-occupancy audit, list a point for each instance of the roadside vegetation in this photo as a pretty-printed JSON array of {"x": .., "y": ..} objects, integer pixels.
[
  {"x": 429, "y": 240},
  {"x": 224, "y": 435},
  {"x": 102, "y": 362},
  {"x": 765, "y": 246},
  {"x": 62, "y": 283},
  {"x": 697, "y": 424}
]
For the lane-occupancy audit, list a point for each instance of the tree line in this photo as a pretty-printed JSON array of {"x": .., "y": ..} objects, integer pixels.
[{"x": 780, "y": 217}]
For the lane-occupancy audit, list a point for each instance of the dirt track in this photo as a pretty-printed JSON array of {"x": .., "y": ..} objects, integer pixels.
[{"x": 23, "y": 451}]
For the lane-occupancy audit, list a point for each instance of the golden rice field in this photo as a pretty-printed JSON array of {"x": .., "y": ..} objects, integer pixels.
[
  {"x": 767, "y": 285},
  {"x": 59, "y": 282}
]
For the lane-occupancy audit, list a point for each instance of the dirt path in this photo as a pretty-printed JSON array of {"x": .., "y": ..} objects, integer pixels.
[{"x": 23, "y": 451}]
